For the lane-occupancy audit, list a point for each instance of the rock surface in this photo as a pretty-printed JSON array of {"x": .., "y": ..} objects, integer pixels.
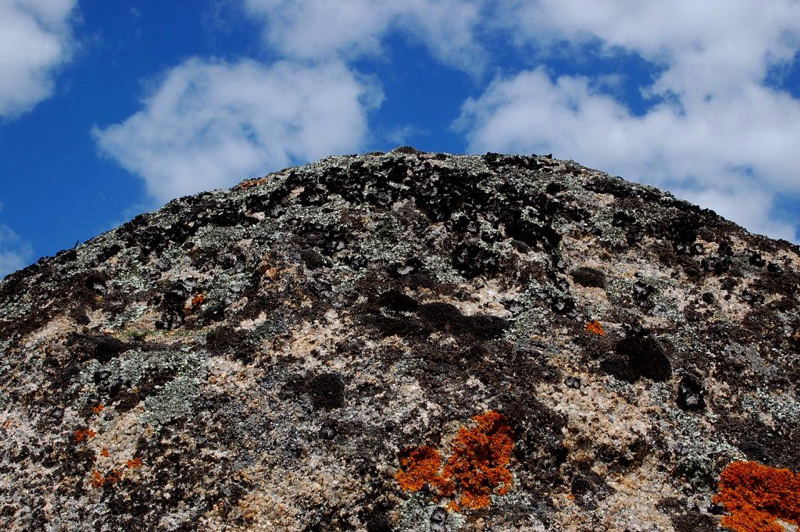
[{"x": 400, "y": 341}]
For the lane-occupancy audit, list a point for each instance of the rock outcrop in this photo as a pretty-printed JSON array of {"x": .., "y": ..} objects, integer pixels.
[{"x": 400, "y": 341}]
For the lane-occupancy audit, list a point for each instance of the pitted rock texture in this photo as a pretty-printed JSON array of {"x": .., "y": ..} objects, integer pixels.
[{"x": 261, "y": 358}]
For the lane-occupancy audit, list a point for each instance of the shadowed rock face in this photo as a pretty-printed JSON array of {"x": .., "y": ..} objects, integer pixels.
[{"x": 262, "y": 357}]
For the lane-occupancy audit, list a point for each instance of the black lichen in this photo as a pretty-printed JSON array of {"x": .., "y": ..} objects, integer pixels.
[
  {"x": 395, "y": 300},
  {"x": 639, "y": 355},
  {"x": 327, "y": 391},
  {"x": 473, "y": 258},
  {"x": 101, "y": 347}
]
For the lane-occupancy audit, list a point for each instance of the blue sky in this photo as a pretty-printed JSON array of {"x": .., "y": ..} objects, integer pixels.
[{"x": 112, "y": 108}]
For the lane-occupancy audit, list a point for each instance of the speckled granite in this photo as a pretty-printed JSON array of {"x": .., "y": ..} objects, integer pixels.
[{"x": 272, "y": 356}]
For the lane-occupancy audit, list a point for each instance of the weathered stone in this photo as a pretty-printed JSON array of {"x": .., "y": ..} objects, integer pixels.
[{"x": 274, "y": 356}]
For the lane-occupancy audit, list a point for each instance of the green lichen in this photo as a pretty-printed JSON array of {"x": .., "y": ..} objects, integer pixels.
[
  {"x": 135, "y": 367},
  {"x": 175, "y": 400}
]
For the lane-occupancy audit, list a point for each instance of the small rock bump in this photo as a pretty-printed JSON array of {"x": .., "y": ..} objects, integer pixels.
[
  {"x": 587, "y": 276},
  {"x": 438, "y": 520}
]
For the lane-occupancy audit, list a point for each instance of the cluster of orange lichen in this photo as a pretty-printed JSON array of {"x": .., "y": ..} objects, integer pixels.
[
  {"x": 197, "y": 300},
  {"x": 98, "y": 480},
  {"x": 420, "y": 466},
  {"x": 84, "y": 434},
  {"x": 479, "y": 462},
  {"x": 252, "y": 183},
  {"x": 595, "y": 327},
  {"x": 756, "y": 496},
  {"x": 475, "y": 469}
]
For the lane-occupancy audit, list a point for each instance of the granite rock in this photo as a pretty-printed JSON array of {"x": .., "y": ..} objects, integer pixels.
[{"x": 261, "y": 358}]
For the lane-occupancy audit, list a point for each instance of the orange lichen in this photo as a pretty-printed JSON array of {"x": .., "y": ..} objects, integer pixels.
[
  {"x": 97, "y": 409},
  {"x": 134, "y": 463},
  {"x": 114, "y": 476},
  {"x": 97, "y": 479},
  {"x": 479, "y": 462},
  {"x": 757, "y": 496},
  {"x": 197, "y": 300},
  {"x": 84, "y": 434},
  {"x": 421, "y": 467},
  {"x": 477, "y": 467},
  {"x": 252, "y": 183},
  {"x": 104, "y": 452},
  {"x": 595, "y": 327}
]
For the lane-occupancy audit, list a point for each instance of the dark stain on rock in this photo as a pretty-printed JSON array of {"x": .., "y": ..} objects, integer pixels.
[
  {"x": 101, "y": 347},
  {"x": 639, "y": 355},
  {"x": 378, "y": 520},
  {"x": 227, "y": 340},
  {"x": 539, "y": 446},
  {"x": 686, "y": 517},
  {"x": 694, "y": 521},
  {"x": 472, "y": 258},
  {"x": 623, "y": 458},
  {"x": 587, "y": 276},
  {"x": 327, "y": 391},
  {"x": 589, "y": 488},
  {"x": 778, "y": 446},
  {"x": 313, "y": 259},
  {"x": 446, "y": 317},
  {"x": 397, "y": 301}
]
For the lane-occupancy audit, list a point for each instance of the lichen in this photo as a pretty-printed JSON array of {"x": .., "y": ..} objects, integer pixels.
[
  {"x": 595, "y": 327},
  {"x": 758, "y": 496},
  {"x": 176, "y": 399},
  {"x": 421, "y": 467},
  {"x": 477, "y": 467}
]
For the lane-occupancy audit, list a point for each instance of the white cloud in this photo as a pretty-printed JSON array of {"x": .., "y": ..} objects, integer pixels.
[
  {"x": 35, "y": 38},
  {"x": 210, "y": 124},
  {"x": 736, "y": 38},
  {"x": 716, "y": 133},
  {"x": 14, "y": 252},
  {"x": 314, "y": 29}
]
